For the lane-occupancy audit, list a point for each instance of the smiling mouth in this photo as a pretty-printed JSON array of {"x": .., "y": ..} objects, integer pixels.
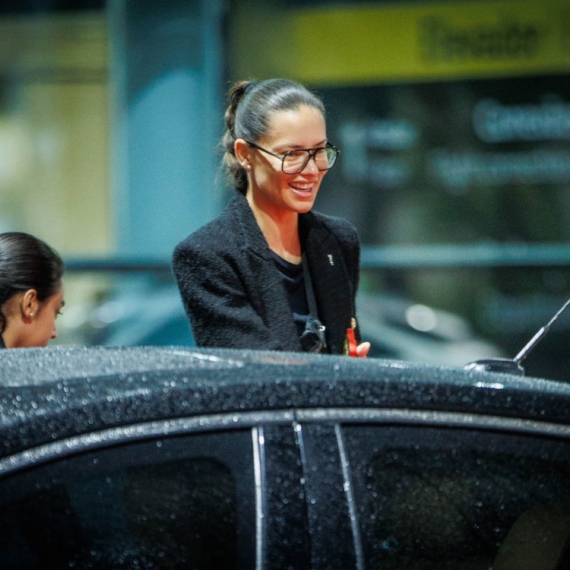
[{"x": 302, "y": 188}]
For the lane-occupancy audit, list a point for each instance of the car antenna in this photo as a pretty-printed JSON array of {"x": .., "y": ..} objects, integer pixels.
[{"x": 513, "y": 366}]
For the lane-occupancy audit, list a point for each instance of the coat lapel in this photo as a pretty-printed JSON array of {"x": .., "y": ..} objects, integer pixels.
[
  {"x": 331, "y": 283},
  {"x": 270, "y": 300}
]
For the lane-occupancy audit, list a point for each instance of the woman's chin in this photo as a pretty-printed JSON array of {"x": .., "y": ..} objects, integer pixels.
[{"x": 303, "y": 204}]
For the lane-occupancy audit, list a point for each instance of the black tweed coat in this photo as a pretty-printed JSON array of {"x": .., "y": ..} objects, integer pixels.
[{"x": 233, "y": 293}]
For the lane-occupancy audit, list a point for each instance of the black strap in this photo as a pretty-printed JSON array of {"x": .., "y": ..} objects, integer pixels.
[{"x": 311, "y": 301}]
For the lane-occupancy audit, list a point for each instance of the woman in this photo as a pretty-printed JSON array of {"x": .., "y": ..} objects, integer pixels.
[
  {"x": 31, "y": 291},
  {"x": 246, "y": 277}
]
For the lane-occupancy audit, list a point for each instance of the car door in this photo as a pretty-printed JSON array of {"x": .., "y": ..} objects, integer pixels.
[
  {"x": 438, "y": 491},
  {"x": 223, "y": 492}
]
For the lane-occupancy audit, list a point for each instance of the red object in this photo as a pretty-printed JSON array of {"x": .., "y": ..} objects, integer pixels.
[{"x": 351, "y": 339}]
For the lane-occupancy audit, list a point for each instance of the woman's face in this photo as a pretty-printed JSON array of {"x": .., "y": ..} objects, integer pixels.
[
  {"x": 40, "y": 328},
  {"x": 271, "y": 188},
  {"x": 45, "y": 329}
]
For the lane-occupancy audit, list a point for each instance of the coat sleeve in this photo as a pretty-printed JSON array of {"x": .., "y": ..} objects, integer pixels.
[{"x": 216, "y": 300}]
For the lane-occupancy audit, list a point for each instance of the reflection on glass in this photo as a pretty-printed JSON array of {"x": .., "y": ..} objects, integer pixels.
[{"x": 442, "y": 499}]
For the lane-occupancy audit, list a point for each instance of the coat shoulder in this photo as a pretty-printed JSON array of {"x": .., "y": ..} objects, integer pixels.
[
  {"x": 342, "y": 229},
  {"x": 217, "y": 235}
]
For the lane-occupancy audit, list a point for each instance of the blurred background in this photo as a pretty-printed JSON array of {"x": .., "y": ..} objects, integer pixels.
[{"x": 453, "y": 119}]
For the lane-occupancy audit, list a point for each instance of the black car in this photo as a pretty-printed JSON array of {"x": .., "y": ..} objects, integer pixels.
[{"x": 190, "y": 458}]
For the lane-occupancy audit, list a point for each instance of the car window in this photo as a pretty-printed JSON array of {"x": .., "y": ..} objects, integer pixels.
[
  {"x": 179, "y": 502},
  {"x": 438, "y": 499}
]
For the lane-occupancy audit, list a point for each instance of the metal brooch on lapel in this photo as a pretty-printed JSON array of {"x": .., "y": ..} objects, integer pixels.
[{"x": 331, "y": 260}]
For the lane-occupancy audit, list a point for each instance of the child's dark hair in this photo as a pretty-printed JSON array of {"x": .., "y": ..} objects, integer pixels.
[
  {"x": 26, "y": 263},
  {"x": 247, "y": 116}
]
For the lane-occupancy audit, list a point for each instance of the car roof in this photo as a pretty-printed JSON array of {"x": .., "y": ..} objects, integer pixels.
[{"x": 54, "y": 393}]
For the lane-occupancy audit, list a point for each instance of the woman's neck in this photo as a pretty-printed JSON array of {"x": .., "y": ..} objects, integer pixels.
[
  {"x": 281, "y": 230},
  {"x": 8, "y": 338}
]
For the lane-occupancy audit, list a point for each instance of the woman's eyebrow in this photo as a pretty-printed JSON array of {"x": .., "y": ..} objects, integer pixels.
[{"x": 293, "y": 145}]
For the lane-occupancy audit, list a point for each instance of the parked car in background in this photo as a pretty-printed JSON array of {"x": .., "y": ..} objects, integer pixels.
[
  {"x": 399, "y": 328},
  {"x": 191, "y": 458}
]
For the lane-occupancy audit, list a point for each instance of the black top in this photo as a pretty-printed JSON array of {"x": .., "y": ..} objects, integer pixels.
[
  {"x": 233, "y": 293},
  {"x": 293, "y": 280},
  {"x": 2, "y": 345}
]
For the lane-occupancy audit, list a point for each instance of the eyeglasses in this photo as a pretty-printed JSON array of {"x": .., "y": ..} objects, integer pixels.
[{"x": 295, "y": 161}]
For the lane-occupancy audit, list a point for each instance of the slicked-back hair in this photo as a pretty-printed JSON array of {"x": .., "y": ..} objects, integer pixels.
[{"x": 27, "y": 262}]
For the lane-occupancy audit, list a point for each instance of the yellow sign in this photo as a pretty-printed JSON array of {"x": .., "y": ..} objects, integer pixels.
[{"x": 439, "y": 41}]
